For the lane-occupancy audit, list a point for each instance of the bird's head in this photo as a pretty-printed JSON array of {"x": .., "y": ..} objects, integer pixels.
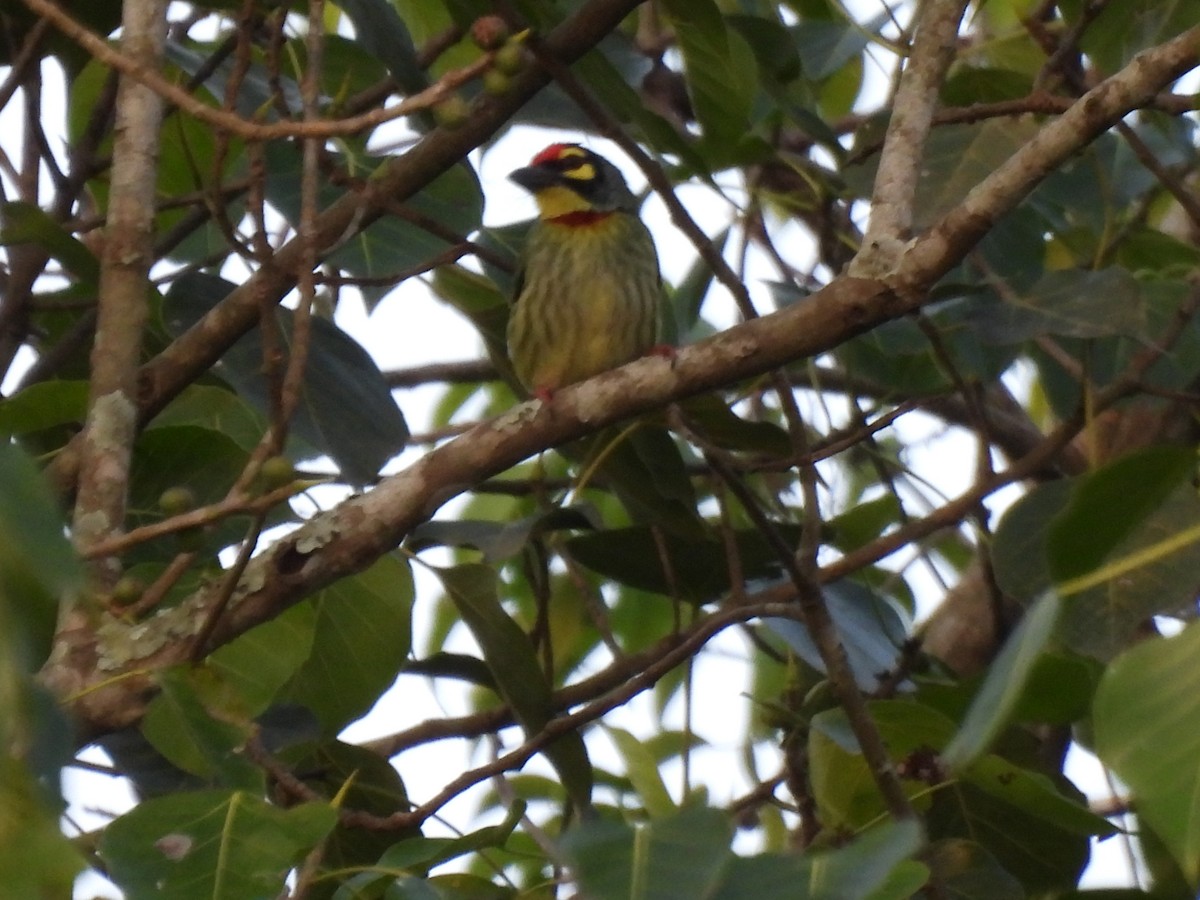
[{"x": 574, "y": 185}]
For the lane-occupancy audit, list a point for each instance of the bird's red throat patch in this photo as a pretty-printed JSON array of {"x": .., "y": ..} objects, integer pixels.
[{"x": 581, "y": 218}]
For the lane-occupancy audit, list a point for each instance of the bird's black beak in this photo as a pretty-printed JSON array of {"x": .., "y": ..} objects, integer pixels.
[{"x": 534, "y": 178}]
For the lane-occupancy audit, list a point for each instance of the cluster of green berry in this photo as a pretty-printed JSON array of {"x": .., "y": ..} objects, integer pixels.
[{"x": 507, "y": 57}]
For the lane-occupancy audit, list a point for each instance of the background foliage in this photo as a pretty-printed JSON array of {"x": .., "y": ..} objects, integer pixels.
[{"x": 1027, "y": 286}]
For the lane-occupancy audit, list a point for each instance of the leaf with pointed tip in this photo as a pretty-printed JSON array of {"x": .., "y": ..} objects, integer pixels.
[
  {"x": 871, "y": 627},
  {"x": 511, "y": 657},
  {"x": 697, "y": 568},
  {"x": 382, "y": 32},
  {"x": 1007, "y": 678},
  {"x": 210, "y": 845},
  {"x": 346, "y": 408},
  {"x": 362, "y": 639},
  {"x": 1147, "y": 725}
]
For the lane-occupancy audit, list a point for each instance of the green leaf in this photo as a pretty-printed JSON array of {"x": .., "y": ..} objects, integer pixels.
[
  {"x": 420, "y": 854},
  {"x": 180, "y": 726},
  {"x": 210, "y": 845},
  {"x": 720, "y": 71},
  {"x": 360, "y": 779},
  {"x": 27, "y": 223},
  {"x": 1121, "y": 30},
  {"x": 261, "y": 661},
  {"x": 1044, "y": 854},
  {"x": 846, "y": 795},
  {"x": 1071, "y": 303},
  {"x": 217, "y": 409},
  {"x": 957, "y": 158},
  {"x": 381, "y": 32},
  {"x": 38, "y": 566},
  {"x": 36, "y": 858},
  {"x": 1126, "y": 548},
  {"x": 642, "y": 770},
  {"x": 871, "y": 628},
  {"x": 1110, "y": 505},
  {"x": 511, "y": 657},
  {"x": 860, "y": 869},
  {"x": 43, "y": 405},
  {"x": 1019, "y": 549},
  {"x": 963, "y": 868},
  {"x": 346, "y": 407},
  {"x": 710, "y": 416},
  {"x": 1036, "y": 796},
  {"x": 1147, "y": 726},
  {"x": 680, "y": 856},
  {"x": 825, "y": 46},
  {"x": 362, "y": 638},
  {"x": 484, "y": 304},
  {"x": 643, "y": 466},
  {"x": 392, "y": 244},
  {"x": 1006, "y": 681}
]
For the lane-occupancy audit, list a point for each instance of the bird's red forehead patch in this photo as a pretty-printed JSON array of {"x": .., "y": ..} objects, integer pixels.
[{"x": 557, "y": 151}]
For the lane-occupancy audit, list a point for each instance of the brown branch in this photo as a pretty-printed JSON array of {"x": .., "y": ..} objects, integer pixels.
[
  {"x": 193, "y": 352},
  {"x": 100, "y": 50},
  {"x": 683, "y": 649},
  {"x": 960, "y": 229},
  {"x": 334, "y": 544},
  {"x": 814, "y": 613},
  {"x": 111, "y": 424},
  {"x": 912, "y": 115}
]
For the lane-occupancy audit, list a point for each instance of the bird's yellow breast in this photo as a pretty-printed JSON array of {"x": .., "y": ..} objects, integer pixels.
[{"x": 590, "y": 300}]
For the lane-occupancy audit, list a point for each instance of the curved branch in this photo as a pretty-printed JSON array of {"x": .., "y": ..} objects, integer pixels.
[
  {"x": 197, "y": 349},
  {"x": 104, "y": 675}
]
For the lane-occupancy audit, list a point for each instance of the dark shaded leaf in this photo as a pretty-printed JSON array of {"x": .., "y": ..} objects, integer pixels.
[
  {"x": 347, "y": 410},
  {"x": 38, "y": 566},
  {"x": 499, "y": 541},
  {"x": 698, "y": 567},
  {"x": 520, "y": 680},
  {"x": 871, "y": 628},
  {"x": 381, "y": 32}
]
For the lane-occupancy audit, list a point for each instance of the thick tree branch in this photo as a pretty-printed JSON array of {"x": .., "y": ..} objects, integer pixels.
[
  {"x": 349, "y": 537},
  {"x": 912, "y": 115},
  {"x": 960, "y": 229},
  {"x": 197, "y": 349},
  {"x": 111, "y": 424}
]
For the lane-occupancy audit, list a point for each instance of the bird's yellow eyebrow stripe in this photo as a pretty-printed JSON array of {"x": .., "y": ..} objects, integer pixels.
[{"x": 584, "y": 172}]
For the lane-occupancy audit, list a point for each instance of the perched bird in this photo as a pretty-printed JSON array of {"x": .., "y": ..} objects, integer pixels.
[{"x": 589, "y": 295}]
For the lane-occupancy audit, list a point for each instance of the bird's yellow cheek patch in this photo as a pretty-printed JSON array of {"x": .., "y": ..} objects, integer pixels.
[{"x": 558, "y": 201}]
